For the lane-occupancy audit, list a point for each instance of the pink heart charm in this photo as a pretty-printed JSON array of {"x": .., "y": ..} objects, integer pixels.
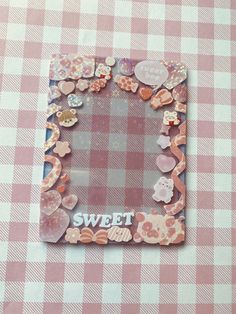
[
  {"x": 54, "y": 226},
  {"x": 177, "y": 74},
  {"x": 66, "y": 87},
  {"x": 69, "y": 201},
  {"x": 50, "y": 201},
  {"x": 165, "y": 163}
]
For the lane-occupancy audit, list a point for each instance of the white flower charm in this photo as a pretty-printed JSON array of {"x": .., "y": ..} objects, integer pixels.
[{"x": 163, "y": 141}]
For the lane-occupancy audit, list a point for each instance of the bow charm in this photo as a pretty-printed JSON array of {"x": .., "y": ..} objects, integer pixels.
[{"x": 88, "y": 236}]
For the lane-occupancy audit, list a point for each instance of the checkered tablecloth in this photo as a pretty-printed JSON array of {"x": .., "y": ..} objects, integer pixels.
[{"x": 195, "y": 278}]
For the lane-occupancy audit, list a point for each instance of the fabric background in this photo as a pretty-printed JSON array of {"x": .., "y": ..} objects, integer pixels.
[{"x": 195, "y": 278}]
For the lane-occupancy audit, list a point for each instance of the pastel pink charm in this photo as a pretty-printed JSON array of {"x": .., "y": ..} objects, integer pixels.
[
  {"x": 165, "y": 163},
  {"x": 69, "y": 201},
  {"x": 50, "y": 201},
  {"x": 54, "y": 226},
  {"x": 66, "y": 87},
  {"x": 62, "y": 148}
]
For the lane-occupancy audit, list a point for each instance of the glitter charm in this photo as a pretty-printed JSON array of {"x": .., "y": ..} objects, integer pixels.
[{"x": 74, "y": 101}]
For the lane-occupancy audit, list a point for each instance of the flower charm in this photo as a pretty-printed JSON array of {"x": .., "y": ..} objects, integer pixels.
[
  {"x": 62, "y": 148},
  {"x": 72, "y": 235},
  {"x": 82, "y": 85},
  {"x": 163, "y": 141}
]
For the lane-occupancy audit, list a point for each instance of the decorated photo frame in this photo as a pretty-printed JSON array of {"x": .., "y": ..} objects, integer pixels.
[{"x": 115, "y": 164}]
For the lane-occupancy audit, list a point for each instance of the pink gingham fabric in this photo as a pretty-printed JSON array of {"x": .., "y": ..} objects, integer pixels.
[{"x": 195, "y": 278}]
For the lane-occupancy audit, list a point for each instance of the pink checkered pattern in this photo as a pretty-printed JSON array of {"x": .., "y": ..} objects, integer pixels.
[{"x": 195, "y": 278}]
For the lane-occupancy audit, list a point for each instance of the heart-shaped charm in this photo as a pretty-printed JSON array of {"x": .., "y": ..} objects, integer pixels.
[
  {"x": 66, "y": 87},
  {"x": 69, "y": 201},
  {"x": 54, "y": 226},
  {"x": 177, "y": 74},
  {"x": 179, "y": 93},
  {"x": 50, "y": 201},
  {"x": 165, "y": 163},
  {"x": 134, "y": 87},
  {"x": 145, "y": 93},
  {"x": 74, "y": 101}
]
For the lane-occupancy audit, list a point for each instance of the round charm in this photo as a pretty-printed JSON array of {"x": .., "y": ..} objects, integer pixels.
[
  {"x": 126, "y": 67},
  {"x": 111, "y": 61}
]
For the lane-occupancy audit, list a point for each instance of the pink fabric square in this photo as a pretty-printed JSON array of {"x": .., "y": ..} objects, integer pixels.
[
  {"x": 136, "y": 125},
  {"x": 27, "y": 119},
  {"x": 35, "y": 16},
  {"x": 205, "y": 274},
  {"x": 205, "y": 95},
  {"x": 172, "y": 28},
  {"x": 15, "y": 271},
  {"x": 205, "y": 63},
  {"x": 97, "y": 195},
  {"x": 18, "y": 231},
  {"x": 4, "y": 14},
  {"x": 93, "y": 272},
  {"x": 133, "y": 197},
  {"x": 168, "y": 308},
  {"x": 52, "y": 307},
  {"x": 206, "y": 30},
  {"x": 205, "y": 164},
  {"x": 98, "y": 159},
  {"x": 21, "y": 193},
  {"x": 139, "y": 25},
  {"x": 54, "y": 272},
  {"x": 131, "y": 273},
  {"x": 104, "y": 20},
  {"x": 129, "y": 308},
  {"x": 205, "y": 129},
  {"x": 32, "y": 50},
  {"x": 68, "y": 47},
  {"x": 205, "y": 236},
  {"x": 71, "y": 20},
  {"x": 206, "y": 3},
  {"x": 205, "y": 199},
  {"x": 89, "y": 308},
  {"x": 24, "y": 155},
  {"x": 13, "y": 307},
  {"x": 29, "y": 84},
  {"x": 134, "y": 160},
  {"x": 168, "y": 274},
  {"x": 100, "y": 123},
  {"x": 204, "y": 308}
]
